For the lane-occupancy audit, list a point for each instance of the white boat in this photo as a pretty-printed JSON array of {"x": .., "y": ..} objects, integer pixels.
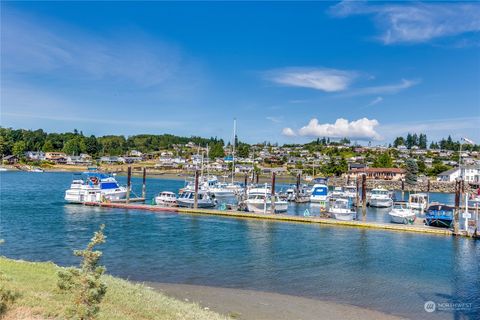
[
  {"x": 418, "y": 201},
  {"x": 290, "y": 194},
  {"x": 3, "y": 169},
  {"x": 342, "y": 209},
  {"x": 336, "y": 193},
  {"x": 260, "y": 201},
  {"x": 402, "y": 213},
  {"x": 319, "y": 195},
  {"x": 380, "y": 198},
  {"x": 187, "y": 200},
  {"x": 350, "y": 192},
  {"x": 166, "y": 199},
  {"x": 222, "y": 190},
  {"x": 36, "y": 169},
  {"x": 94, "y": 187}
]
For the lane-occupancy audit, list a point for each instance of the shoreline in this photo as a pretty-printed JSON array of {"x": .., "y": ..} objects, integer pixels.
[
  {"x": 251, "y": 304},
  {"x": 443, "y": 187}
]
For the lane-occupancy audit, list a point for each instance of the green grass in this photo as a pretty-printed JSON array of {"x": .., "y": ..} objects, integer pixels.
[{"x": 39, "y": 298}]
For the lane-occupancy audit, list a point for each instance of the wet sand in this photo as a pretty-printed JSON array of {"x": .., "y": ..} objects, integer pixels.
[{"x": 258, "y": 305}]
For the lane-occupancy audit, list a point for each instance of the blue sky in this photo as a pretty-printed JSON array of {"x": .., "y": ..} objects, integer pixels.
[{"x": 288, "y": 72}]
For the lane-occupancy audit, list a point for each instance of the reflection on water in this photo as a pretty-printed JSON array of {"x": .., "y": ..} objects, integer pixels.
[{"x": 387, "y": 271}]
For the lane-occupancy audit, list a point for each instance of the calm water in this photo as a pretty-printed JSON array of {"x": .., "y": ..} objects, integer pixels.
[{"x": 387, "y": 271}]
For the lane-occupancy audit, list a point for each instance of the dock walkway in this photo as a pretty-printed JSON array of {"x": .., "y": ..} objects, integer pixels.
[{"x": 279, "y": 217}]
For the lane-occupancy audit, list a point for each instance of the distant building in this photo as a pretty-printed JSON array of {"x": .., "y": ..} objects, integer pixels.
[
  {"x": 57, "y": 157},
  {"x": 35, "y": 155},
  {"x": 471, "y": 174},
  {"x": 11, "y": 159},
  {"x": 378, "y": 173}
]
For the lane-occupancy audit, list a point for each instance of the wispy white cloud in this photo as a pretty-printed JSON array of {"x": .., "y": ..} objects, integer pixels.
[
  {"x": 375, "y": 101},
  {"x": 383, "y": 89},
  {"x": 415, "y": 22},
  {"x": 361, "y": 129},
  {"x": 288, "y": 132},
  {"x": 328, "y": 80},
  {"x": 31, "y": 45},
  {"x": 274, "y": 119}
]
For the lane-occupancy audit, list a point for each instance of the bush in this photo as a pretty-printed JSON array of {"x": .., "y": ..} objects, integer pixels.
[{"x": 85, "y": 283}]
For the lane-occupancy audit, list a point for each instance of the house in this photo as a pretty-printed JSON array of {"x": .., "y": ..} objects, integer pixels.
[
  {"x": 357, "y": 166},
  {"x": 112, "y": 159},
  {"x": 11, "y": 159},
  {"x": 82, "y": 159},
  {"x": 135, "y": 153},
  {"x": 57, "y": 157},
  {"x": 242, "y": 168},
  {"x": 471, "y": 174},
  {"x": 378, "y": 173},
  {"x": 35, "y": 155}
]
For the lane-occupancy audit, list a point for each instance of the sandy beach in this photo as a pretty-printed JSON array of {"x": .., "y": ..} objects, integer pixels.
[{"x": 258, "y": 305}]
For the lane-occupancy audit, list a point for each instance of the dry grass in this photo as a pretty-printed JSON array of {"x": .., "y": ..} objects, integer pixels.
[{"x": 40, "y": 299}]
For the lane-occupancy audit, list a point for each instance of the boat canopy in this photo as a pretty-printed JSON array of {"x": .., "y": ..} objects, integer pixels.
[{"x": 319, "y": 190}]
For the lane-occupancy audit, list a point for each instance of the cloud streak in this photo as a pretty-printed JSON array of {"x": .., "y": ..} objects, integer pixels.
[
  {"x": 327, "y": 80},
  {"x": 415, "y": 22},
  {"x": 375, "y": 101},
  {"x": 40, "y": 47},
  {"x": 383, "y": 89},
  {"x": 361, "y": 129}
]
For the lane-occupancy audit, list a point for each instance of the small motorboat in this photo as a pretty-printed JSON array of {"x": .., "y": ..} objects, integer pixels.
[
  {"x": 380, "y": 198},
  {"x": 439, "y": 215},
  {"x": 94, "y": 186},
  {"x": 166, "y": 199},
  {"x": 319, "y": 194},
  {"x": 341, "y": 209},
  {"x": 187, "y": 200},
  {"x": 260, "y": 201},
  {"x": 402, "y": 213},
  {"x": 418, "y": 201}
]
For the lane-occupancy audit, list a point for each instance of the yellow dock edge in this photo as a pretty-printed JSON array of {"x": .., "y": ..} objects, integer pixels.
[
  {"x": 281, "y": 218},
  {"x": 317, "y": 220}
]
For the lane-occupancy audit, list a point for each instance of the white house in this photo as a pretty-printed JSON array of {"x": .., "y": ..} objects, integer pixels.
[{"x": 470, "y": 173}]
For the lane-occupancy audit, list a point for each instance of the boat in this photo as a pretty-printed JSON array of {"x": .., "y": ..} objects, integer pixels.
[
  {"x": 336, "y": 193},
  {"x": 94, "y": 187},
  {"x": 341, "y": 209},
  {"x": 3, "y": 169},
  {"x": 262, "y": 203},
  {"x": 380, "y": 198},
  {"x": 418, "y": 201},
  {"x": 439, "y": 215},
  {"x": 402, "y": 213},
  {"x": 319, "y": 195},
  {"x": 36, "y": 169},
  {"x": 350, "y": 192},
  {"x": 290, "y": 194},
  {"x": 166, "y": 199},
  {"x": 222, "y": 190},
  {"x": 187, "y": 200}
]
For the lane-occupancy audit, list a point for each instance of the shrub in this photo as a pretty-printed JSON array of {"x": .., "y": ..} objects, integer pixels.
[{"x": 85, "y": 283}]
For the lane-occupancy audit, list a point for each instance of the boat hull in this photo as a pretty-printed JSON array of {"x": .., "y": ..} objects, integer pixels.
[
  {"x": 190, "y": 204},
  {"x": 259, "y": 206},
  {"x": 381, "y": 203}
]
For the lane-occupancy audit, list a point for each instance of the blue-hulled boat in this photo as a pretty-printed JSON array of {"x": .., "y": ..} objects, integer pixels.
[{"x": 439, "y": 215}]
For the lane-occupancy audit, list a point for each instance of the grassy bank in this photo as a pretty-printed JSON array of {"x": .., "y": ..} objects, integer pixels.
[{"x": 39, "y": 298}]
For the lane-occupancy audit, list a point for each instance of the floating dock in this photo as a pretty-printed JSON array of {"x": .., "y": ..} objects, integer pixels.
[{"x": 279, "y": 217}]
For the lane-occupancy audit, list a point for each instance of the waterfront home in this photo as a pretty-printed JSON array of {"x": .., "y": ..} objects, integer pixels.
[
  {"x": 135, "y": 153},
  {"x": 378, "y": 173},
  {"x": 82, "y": 159},
  {"x": 243, "y": 168},
  {"x": 112, "y": 159},
  {"x": 35, "y": 155},
  {"x": 57, "y": 157},
  {"x": 11, "y": 159},
  {"x": 471, "y": 174}
]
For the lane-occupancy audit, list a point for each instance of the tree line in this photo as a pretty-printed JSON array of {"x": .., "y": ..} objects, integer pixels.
[
  {"x": 420, "y": 141},
  {"x": 18, "y": 141}
]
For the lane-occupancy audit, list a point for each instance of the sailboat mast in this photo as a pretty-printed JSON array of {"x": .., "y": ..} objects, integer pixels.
[{"x": 234, "y": 142}]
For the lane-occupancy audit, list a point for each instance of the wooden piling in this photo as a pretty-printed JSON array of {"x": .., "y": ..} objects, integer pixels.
[
  {"x": 403, "y": 189},
  {"x": 456, "y": 223},
  {"x": 364, "y": 194},
  {"x": 297, "y": 193},
  {"x": 272, "y": 199},
  {"x": 195, "y": 199},
  {"x": 129, "y": 182},
  {"x": 256, "y": 177},
  {"x": 144, "y": 183}
]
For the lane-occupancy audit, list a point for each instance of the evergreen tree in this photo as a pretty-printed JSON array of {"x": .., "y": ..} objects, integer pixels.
[{"x": 411, "y": 172}]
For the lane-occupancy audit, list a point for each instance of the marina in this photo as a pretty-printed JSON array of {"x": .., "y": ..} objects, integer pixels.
[{"x": 228, "y": 249}]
